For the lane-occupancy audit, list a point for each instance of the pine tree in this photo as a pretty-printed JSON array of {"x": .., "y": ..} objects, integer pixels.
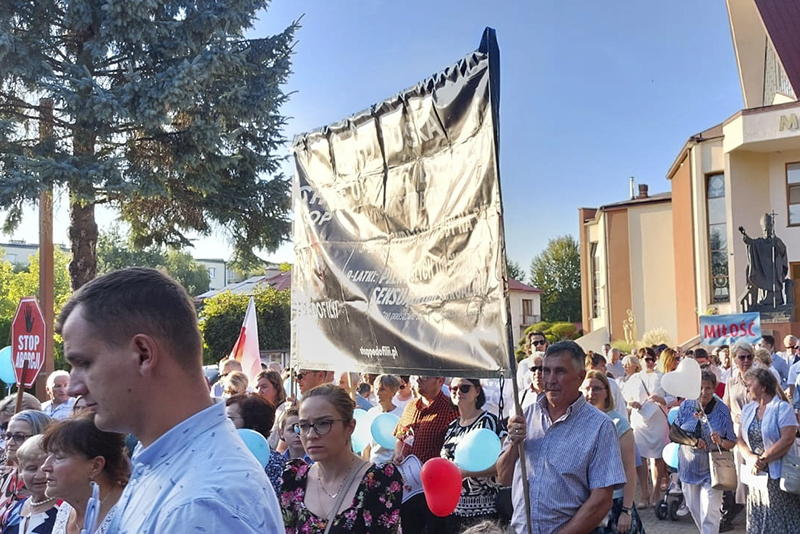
[{"x": 162, "y": 110}]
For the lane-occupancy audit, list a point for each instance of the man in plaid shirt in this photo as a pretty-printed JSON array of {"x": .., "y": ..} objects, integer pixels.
[{"x": 421, "y": 432}]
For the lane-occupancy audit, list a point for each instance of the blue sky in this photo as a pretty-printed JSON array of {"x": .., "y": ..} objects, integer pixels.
[{"x": 591, "y": 92}]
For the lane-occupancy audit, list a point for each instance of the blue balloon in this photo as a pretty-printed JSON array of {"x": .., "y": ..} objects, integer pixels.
[
  {"x": 382, "y": 428},
  {"x": 670, "y": 454},
  {"x": 673, "y": 414},
  {"x": 361, "y": 435},
  {"x": 478, "y": 450},
  {"x": 7, "y": 366},
  {"x": 257, "y": 444}
]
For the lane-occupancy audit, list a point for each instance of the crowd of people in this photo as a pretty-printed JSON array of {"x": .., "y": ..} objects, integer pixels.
[{"x": 136, "y": 440}]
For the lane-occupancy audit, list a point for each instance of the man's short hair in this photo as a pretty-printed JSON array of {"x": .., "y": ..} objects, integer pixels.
[
  {"x": 137, "y": 300},
  {"x": 571, "y": 348},
  {"x": 769, "y": 340},
  {"x": 51, "y": 378}
]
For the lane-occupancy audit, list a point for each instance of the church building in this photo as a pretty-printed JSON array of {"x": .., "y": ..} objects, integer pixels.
[{"x": 661, "y": 261}]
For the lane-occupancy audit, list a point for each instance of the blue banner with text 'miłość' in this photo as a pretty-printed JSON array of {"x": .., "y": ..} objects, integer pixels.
[{"x": 728, "y": 329}]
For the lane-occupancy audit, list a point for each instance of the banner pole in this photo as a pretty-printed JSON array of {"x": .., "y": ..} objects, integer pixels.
[{"x": 21, "y": 387}]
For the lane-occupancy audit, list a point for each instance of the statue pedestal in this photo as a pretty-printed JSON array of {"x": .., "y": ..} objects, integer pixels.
[{"x": 772, "y": 315}]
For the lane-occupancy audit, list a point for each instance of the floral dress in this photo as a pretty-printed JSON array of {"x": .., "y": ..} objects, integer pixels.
[
  {"x": 770, "y": 511},
  {"x": 375, "y": 508}
]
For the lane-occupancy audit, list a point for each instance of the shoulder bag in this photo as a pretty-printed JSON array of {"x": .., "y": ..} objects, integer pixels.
[{"x": 790, "y": 469}]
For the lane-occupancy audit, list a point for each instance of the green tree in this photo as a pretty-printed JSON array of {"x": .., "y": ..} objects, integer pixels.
[
  {"x": 162, "y": 110},
  {"x": 222, "y": 316},
  {"x": 557, "y": 272},
  {"x": 514, "y": 270},
  {"x": 114, "y": 252}
]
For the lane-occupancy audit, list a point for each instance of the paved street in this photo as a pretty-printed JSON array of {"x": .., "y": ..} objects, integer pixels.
[{"x": 684, "y": 525}]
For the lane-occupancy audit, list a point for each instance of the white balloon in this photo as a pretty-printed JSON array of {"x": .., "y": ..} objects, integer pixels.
[{"x": 683, "y": 381}]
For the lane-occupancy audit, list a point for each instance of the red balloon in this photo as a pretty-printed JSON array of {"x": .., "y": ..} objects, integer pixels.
[{"x": 441, "y": 483}]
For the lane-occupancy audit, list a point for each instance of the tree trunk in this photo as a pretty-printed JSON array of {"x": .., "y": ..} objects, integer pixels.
[{"x": 83, "y": 239}]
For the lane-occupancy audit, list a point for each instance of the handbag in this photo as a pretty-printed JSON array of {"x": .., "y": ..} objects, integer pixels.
[
  {"x": 722, "y": 466},
  {"x": 680, "y": 436}
]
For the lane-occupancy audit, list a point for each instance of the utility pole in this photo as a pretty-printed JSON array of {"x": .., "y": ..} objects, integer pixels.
[{"x": 46, "y": 285}]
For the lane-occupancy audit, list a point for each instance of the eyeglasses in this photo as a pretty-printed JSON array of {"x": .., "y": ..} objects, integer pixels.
[
  {"x": 300, "y": 376},
  {"x": 743, "y": 357},
  {"x": 320, "y": 427},
  {"x": 17, "y": 437},
  {"x": 463, "y": 388},
  {"x": 537, "y": 368},
  {"x": 651, "y": 360},
  {"x": 539, "y": 342},
  {"x": 402, "y": 386}
]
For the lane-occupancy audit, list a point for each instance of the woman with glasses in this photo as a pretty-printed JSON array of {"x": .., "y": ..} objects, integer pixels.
[
  {"x": 356, "y": 496},
  {"x": 404, "y": 393},
  {"x": 252, "y": 411},
  {"x": 37, "y": 513},
  {"x": 21, "y": 426},
  {"x": 623, "y": 517},
  {"x": 78, "y": 453},
  {"x": 735, "y": 398},
  {"x": 766, "y": 434},
  {"x": 646, "y": 400},
  {"x": 478, "y": 500},
  {"x": 708, "y": 421}
]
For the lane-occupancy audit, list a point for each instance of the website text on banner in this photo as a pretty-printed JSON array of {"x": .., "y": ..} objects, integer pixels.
[
  {"x": 728, "y": 329},
  {"x": 399, "y": 252}
]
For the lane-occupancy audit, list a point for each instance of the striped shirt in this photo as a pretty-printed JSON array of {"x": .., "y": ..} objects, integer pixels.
[
  {"x": 693, "y": 467},
  {"x": 566, "y": 460}
]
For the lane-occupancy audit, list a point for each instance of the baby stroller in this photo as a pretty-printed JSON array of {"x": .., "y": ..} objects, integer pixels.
[{"x": 672, "y": 500}]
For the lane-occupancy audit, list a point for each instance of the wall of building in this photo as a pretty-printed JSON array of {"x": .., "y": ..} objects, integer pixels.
[
  {"x": 652, "y": 269},
  {"x": 517, "y": 319},
  {"x": 217, "y": 272},
  {"x": 618, "y": 276},
  {"x": 683, "y": 246}
]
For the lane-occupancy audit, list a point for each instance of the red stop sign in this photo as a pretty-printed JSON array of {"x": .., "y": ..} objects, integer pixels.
[{"x": 27, "y": 340}]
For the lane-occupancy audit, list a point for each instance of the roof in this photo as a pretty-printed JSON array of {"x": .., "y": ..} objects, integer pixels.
[
  {"x": 782, "y": 21},
  {"x": 657, "y": 197},
  {"x": 252, "y": 285},
  {"x": 715, "y": 132},
  {"x": 514, "y": 285}
]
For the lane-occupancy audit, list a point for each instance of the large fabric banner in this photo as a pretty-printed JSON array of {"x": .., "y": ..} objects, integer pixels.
[
  {"x": 399, "y": 248},
  {"x": 728, "y": 329}
]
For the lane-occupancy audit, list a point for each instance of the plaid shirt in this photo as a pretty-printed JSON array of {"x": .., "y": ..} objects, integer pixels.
[{"x": 427, "y": 424}]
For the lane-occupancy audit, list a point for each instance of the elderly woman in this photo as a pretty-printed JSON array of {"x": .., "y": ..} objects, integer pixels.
[
  {"x": 37, "y": 513},
  {"x": 79, "y": 453},
  {"x": 763, "y": 358},
  {"x": 631, "y": 366},
  {"x": 387, "y": 386},
  {"x": 709, "y": 421},
  {"x": 254, "y": 412},
  {"x": 623, "y": 518},
  {"x": 21, "y": 427},
  {"x": 766, "y": 434},
  {"x": 478, "y": 500},
  {"x": 309, "y": 493},
  {"x": 646, "y": 400}
]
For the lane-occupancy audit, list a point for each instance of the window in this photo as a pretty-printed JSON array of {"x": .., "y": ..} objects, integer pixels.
[
  {"x": 717, "y": 237},
  {"x": 527, "y": 308},
  {"x": 595, "y": 281},
  {"x": 793, "y": 192},
  {"x": 212, "y": 272}
]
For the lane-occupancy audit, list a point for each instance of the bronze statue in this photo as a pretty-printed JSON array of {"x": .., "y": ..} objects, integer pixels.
[{"x": 767, "y": 265}]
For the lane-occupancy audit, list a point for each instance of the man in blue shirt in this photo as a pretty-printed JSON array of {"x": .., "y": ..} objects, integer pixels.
[
  {"x": 571, "y": 452},
  {"x": 132, "y": 340}
]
